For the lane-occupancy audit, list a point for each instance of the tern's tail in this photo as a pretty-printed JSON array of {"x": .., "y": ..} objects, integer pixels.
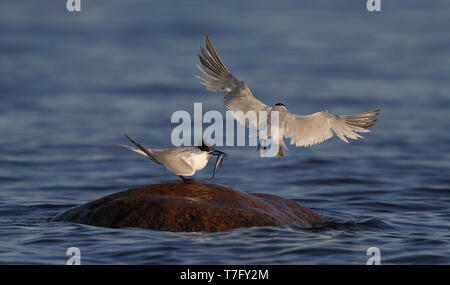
[
  {"x": 141, "y": 150},
  {"x": 135, "y": 149}
]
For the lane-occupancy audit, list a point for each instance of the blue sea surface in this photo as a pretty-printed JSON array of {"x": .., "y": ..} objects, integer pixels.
[{"x": 71, "y": 84}]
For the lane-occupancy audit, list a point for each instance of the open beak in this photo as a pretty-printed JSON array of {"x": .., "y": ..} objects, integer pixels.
[{"x": 218, "y": 152}]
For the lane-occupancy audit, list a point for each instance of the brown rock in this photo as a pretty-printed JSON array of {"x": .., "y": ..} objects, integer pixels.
[{"x": 197, "y": 206}]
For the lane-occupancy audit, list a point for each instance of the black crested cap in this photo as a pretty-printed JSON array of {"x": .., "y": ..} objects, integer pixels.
[
  {"x": 205, "y": 147},
  {"x": 279, "y": 104}
]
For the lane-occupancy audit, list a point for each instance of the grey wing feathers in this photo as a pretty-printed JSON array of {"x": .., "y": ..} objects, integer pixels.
[
  {"x": 142, "y": 150},
  {"x": 172, "y": 158},
  {"x": 173, "y": 163},
  {"x": 218, "y": 78},
  {"x": 320, "y": 126},
  {"x": 177, "y": 164}
]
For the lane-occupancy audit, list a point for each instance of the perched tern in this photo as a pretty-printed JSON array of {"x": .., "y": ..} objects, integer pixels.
[
  {"x": 182, "y": 161},
  {"x": 302, "y": 130}
]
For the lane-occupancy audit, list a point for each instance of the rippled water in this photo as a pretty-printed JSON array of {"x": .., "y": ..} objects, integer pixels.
[{"x": 71, "y": 84}]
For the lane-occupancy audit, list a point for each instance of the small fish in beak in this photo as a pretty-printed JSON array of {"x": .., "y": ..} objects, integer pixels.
[{"x": 219, "y": 161}]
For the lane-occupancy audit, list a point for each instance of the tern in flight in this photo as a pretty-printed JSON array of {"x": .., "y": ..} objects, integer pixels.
[
  {"x": 302, "y": 130},
  {"x": 182, "y": 161}
]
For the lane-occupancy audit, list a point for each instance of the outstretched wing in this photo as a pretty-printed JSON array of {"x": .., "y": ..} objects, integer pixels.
[
  {"x": 320, "y": 126},
  {"x": 218, "y": 78}
]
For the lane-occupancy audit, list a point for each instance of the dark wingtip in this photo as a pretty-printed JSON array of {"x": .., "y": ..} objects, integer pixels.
[{"x": 131, "y": 140}]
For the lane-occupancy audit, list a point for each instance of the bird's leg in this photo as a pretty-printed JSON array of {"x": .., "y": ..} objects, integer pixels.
[
  {"x": 186, "y": 180},
  {"x": 280, "y": 152}
]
